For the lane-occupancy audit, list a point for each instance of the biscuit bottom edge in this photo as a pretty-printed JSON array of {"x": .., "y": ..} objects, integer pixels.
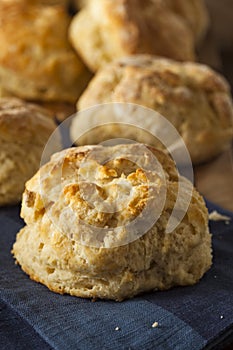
[{"x": 117, "y": 285}]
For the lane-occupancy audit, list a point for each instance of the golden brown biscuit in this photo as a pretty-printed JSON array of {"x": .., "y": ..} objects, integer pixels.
[
  {"x": 194, "y": 98},
  {"x": 106, "y": 30},
  {"x": 73, "y": 241},
  {"x": 24, "y": 131},
  {"x": 36, "y": 60}
]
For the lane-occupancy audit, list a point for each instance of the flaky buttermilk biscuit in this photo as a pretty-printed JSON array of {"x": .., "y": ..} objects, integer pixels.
[
  {"x": 194, "y": 98},
  {"x": 105, "y": 30},
  {"x": 24, "y": 130},
  {"x": 68, "y": 204},
  {"x": 36, "y": 59}
]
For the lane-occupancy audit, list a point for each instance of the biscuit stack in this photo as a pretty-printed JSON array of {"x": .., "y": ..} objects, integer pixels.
[{"x": 78, "y": 206}]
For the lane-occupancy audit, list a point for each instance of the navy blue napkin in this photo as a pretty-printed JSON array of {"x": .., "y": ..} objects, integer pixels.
[{"x": 197, "y": 317}]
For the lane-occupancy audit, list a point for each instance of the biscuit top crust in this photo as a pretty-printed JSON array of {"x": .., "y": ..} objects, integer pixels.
[
  {"x": 179, "y": 91},
  {"x": 100, "y": 187},
  {"x": 146, "y": 74}
]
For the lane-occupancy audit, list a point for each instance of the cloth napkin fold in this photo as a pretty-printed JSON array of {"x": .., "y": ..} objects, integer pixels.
[{"x": 196, "y": 317}]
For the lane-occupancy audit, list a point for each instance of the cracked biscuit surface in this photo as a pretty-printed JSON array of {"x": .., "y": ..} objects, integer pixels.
[
  {"x": 85, "y": 214},
  {"x": 24, "y": 130},
  {"x": 105, "y": 30},
  {"x": 36, "y": 60},
  {"x": 194, "y": 98}
]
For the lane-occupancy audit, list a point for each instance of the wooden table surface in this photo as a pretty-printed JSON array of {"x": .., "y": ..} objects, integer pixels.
[{"x": 215, "y": 180}]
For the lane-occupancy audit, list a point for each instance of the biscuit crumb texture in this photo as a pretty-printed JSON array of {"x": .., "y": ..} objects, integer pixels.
[
  {"x": 155, "y": 325},
  {"x": 53, "y": 250},
  {"x": 193, "y": 97},
  {"x": 24, "y": 130},
  {"x": 216, "y": 216}
]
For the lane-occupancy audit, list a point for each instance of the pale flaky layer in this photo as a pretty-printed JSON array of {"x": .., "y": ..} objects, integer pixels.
[
  {"x": 53, "y": 251},
  {"x": 36, "y": 59},
  {"x": 24, "y": 130},
  {"x": 105, "y": 30},
  {"x": 194, "y": 98}
]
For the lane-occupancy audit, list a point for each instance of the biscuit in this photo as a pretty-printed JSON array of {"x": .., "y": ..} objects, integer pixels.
[
  {"x": 194, "y": 98},
  {"x": 74, "y": 243},
  {"x": 105, "y": 30},
  {"x": 24, "y": 131},
  {"x": 36, "y": 60}
]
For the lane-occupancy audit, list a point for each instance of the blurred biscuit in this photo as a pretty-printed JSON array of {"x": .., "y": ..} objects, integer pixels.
[
  {"x": 72, "y": 246},
  {"x": 194, "y": 98},
  {"x": 24, "y": 130},
  {"x": 106, "y": 30},
  {"x": 36, "y": 59}
]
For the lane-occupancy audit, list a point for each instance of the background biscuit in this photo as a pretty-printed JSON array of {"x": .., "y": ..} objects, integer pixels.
[
  {"x": 105, "y": 30},
  {"x": 194, "y": 98},
  {"x": 36, "y": 59},
  {"x": 24, "y": 131}
]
